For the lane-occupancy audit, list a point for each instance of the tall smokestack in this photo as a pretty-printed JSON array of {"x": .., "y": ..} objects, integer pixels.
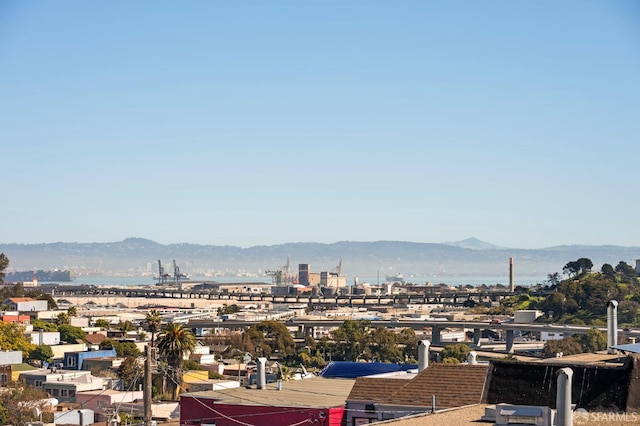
[
  {"x": 564, "y": 415},
  {"x": 261, "y": 373},
  {"x": 423, "y": 354},
  {"x": 512, "y": 287},
  {"x": 612, "y": 326}
]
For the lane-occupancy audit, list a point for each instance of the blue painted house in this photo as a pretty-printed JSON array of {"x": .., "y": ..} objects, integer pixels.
[{"x": 74, "y": 360}]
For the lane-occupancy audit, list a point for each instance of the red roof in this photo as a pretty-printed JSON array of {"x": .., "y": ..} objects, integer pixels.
[{"x": 21, "y": 299}]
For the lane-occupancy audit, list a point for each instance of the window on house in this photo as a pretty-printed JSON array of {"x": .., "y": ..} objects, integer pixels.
[
  {"x": 101, "y": 404},
  {"x": 37, "y": 384},
  {"x": 71, "y": 362}
]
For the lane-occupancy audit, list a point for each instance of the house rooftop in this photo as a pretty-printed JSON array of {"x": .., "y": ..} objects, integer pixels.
[
  {"x": 308, "y": 393},
  {"x": 95, "y": 338},
  {"x": 23, "y": 367},
  {"x": 601, "y": 358},
  {"x": 453, "y": 385},
  {"x": 462, "y": 416},
  {"x": 105, "y": 392}
]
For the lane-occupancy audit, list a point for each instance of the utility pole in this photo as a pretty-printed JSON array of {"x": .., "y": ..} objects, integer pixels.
[{"x": 147, "y": 388}]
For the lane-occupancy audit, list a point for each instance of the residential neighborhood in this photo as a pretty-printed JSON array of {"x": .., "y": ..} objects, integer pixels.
[{"x": 85, "y": 359}]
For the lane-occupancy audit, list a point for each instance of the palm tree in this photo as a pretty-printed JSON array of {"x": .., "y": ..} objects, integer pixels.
[
  {"x": 153, "y": 320},
  {"x": 62, "y": 319},
  {"x": 174, "y": 343}
]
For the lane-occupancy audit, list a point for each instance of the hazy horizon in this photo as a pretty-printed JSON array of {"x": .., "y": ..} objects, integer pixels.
[{"x": 458, "y": 243}]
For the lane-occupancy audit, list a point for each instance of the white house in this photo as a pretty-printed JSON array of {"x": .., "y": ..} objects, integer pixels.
[
  {"x": 40, "y": 337},
  {"x": 25, "y": 304},
  {"x": 551, "y": 335}
]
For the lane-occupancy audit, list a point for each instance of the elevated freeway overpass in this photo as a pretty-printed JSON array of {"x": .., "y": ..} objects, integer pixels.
[
  {"x": 508, "y": 328},
  {"x": 450, "y": 298}
]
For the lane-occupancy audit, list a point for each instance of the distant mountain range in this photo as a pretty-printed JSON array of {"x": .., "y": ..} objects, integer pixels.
[{"x": 424, "y": 261}]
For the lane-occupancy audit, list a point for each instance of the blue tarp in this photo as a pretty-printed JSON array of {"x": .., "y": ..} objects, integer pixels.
[
  {"x": 351, "y": 370},
  {"x": 632, "y": 347}
]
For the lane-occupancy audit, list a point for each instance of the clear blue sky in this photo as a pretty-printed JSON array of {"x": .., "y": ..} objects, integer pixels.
[{"x": 264, "y": 122}]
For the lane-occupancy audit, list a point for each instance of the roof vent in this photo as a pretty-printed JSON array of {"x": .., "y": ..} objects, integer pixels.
[
  {"x": 507, "y": 414},
  {"x": 612, "y": 326},
  {"x": 471, "y": 357},
  {"x": 423, "y": 354},
  {"x": 262, "y": 376}
]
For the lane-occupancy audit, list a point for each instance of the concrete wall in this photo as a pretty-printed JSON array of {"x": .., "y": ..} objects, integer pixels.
[
  {"x": 10, "y": 357},
  {"x": 79, "y": 321},
  {"x": 74, "y": 417},
  {"x": 32, "y": 306},
  {"x": 526, "y": 316},
  {"x": 40, "y": 337},
  {"x": 60, "y": 350}
]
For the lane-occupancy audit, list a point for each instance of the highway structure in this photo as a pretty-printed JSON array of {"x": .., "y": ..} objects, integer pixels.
[
  {"x": 507, "y": 328},
  {"x": 449, "y": 298}
]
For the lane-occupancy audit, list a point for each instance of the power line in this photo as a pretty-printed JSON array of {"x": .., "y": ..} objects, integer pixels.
[{"x": 231, "y": 418}]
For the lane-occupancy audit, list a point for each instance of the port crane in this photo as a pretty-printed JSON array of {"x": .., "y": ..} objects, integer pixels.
[
  {"x": 162, "y": 276},
  {"x": 177, "y": 275},
  {"x": 282, "y": 275}
]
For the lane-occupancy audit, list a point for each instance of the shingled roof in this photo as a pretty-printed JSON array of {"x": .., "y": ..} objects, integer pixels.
[{"x": 454, "y": 385}]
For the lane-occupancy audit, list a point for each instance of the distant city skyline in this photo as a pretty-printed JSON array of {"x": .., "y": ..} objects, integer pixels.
[{"x": 264, "y": 123}]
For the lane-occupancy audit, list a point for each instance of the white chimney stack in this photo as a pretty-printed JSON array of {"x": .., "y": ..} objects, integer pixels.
[
  {"x": 512, "y": 287},
  {"x": 471, "y": 357},
  {"x": 564, "y": 415},
  {"x": 423, "y": 354},
  {"x": 612, "y": 326},
  {"x": 262, "y": 375}
]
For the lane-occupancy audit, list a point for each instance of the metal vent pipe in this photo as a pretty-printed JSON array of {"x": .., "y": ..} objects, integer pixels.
[
  {"x": 612, "y": 326},
  {"x": 261, "y": 373},
  {"x": 564, "y": 415},
  {"x": 423, "y": 354}
]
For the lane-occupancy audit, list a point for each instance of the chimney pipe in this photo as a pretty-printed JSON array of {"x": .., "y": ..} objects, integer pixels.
[
  {"x": 612, "y": 326},
  {"x": 512, "y": 286},
  {"x": 423, "y": 354},
  {"x": 471, "y": 357},
  {"x": 261, "y": 373},
  {"x": 564, "y": 415}
]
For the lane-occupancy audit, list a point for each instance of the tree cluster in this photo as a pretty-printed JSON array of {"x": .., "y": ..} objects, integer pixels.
[
  {"x": 359, "y": 340},
  {"x": 583, "y": 297},
  {"x": 595, "y": 340},
  {"x": 578, "y": 267}
]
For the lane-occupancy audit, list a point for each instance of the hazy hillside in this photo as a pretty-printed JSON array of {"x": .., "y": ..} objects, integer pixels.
[{"x": 430, "y": 262}]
